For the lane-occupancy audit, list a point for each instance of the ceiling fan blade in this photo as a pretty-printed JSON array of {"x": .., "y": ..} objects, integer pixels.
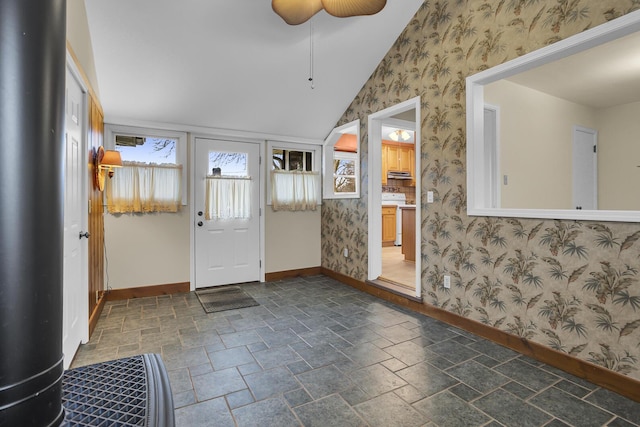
[
  {"x": 345, "y": 8},
  {"x": 296, "y": 12}
]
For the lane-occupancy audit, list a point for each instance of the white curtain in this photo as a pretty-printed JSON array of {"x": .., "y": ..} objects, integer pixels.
[
  {"x": 228, "y": 198},
  {"x": 294, "y": 190},
  {"x": 142, "y": 187}
]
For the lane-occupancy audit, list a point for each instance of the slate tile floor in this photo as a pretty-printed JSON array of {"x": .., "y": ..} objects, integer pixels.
[{"x": 319, "y": 353}]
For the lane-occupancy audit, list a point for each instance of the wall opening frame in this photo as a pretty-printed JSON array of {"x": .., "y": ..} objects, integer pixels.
[
  {"x": 333, "y": 155},
  {"x": 479, "y": 174}
]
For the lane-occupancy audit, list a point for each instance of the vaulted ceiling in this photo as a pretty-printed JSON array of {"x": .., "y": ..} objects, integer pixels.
[{"x": 234, "y": 64}]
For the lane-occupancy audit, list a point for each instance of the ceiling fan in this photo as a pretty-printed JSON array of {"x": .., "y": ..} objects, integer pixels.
[{"x": 296, "y": 12}]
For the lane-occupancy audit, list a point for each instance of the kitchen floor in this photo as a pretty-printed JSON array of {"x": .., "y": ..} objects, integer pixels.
[
  {"x": 396, "y": 269},
  {"x": 320, "y": 353}
]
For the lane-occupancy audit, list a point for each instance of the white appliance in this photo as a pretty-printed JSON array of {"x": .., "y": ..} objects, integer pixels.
[{"x": 398, "y": 200}]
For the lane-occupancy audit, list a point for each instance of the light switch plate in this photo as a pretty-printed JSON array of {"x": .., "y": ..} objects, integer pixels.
[{"x": 429, "y": 196}]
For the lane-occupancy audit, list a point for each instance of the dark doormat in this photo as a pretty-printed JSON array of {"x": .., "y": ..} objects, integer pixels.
[{"x": 225, "y": 298}]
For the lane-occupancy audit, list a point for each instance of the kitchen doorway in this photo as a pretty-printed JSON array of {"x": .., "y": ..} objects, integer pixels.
[{"x": 394, "y": 223}]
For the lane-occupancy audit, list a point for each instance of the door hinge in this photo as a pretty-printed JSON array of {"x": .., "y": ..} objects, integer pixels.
[
  {"x": 259, "y": 160},
  {"x": 594, "y": 149},
  {"x": 260, "y": 263},
  {"x": 259, "y": 211}
]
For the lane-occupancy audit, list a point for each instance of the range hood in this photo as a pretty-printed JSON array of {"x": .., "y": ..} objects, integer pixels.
[{"x": 398, "y": 175}]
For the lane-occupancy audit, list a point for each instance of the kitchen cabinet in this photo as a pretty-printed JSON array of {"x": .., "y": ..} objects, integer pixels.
[
  {"x": 409, "y": 233},
  {"x": 406, "y": 159},
  {"x": 388, "y": 225},
  {"x": 393, "y": 158},
  {"x": 398, "y": 157}
]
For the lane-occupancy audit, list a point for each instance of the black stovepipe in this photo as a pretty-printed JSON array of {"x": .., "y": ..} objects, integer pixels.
[{"x": 32, "y": 94}]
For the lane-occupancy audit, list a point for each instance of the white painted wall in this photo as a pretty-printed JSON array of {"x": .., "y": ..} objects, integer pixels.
[
  {"x": 619, "y": 157},
  {"x": 292, "y": 240},
  {"x": 79, "y": 37},
  {"x": 536, "y": 134}
]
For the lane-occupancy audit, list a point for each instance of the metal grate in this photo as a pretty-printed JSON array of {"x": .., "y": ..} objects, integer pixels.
[{"x": 106, "y": 394}]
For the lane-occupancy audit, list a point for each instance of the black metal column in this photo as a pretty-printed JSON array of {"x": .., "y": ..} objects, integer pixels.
[{"x": 32, "y": 92}]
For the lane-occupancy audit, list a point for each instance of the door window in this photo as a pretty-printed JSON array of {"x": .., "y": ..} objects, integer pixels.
[{"x": 228, "y": 186}]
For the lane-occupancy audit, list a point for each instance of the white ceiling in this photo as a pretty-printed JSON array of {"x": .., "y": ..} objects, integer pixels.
[
  {"x": 601, "y": 77},
  {"x": 234, "y": 64}
]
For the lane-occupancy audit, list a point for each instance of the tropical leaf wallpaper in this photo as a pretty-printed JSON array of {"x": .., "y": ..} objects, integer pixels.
[{"x": 570, "y": 285}]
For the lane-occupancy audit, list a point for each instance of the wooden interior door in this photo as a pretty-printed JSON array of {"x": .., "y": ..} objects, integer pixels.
[{"x": 96, "y": 218}]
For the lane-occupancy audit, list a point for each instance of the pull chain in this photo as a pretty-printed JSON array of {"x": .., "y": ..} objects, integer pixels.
[{"x": 311, "y": 54}]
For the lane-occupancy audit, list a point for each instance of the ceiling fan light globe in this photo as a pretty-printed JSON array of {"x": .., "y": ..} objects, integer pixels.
[
  {"x": 346, "y": 8},
  {"x": 295, "y": 12}
]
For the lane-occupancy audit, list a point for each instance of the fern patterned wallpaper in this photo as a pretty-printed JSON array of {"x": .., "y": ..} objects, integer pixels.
[{"x": 572, "y": 286}]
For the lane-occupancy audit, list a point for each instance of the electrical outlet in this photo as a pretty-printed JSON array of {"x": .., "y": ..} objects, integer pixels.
[
  {"x": 345, "y": 252},
  {"x": 447, "y": 282},
  {"x": 429, "y": 196}
]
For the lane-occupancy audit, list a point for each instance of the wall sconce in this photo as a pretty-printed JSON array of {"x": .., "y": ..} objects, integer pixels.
[{"x": 104, "y": 161}]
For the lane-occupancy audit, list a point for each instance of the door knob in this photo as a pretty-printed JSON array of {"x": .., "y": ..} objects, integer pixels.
[
  {"x": 199, "y": 223},
  {"x": 85, "y": 234}
]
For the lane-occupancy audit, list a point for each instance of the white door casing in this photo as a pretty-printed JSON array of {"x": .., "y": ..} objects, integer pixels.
[
  {"x": 75, "y": 257},
  {"x": 492, "y": 155},
  {"x": 226, "y": 251},
  {"x": 374, "y": 172},
  {"x": 585, "y": 170}
]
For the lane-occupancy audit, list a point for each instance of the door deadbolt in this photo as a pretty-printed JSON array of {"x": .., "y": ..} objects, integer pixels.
[
  {"x": 85, "y": 234},
  {"x": 199, "y": 213},
  {"x": 200, "y": 223}
]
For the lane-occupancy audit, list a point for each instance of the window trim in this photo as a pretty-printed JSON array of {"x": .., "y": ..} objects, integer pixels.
[
  {"x": 292, "y": 146},
  {"x": 328, "y": 191},
  {"x": 351, "y": 157},
  {"x": 111, "y": 130}
]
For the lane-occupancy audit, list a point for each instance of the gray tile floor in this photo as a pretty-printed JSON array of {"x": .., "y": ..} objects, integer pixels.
[{"x": 319, "y": 353}]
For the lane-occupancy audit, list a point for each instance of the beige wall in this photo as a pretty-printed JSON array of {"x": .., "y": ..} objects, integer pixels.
[
  {"x": 619, "y": 157},
  {"x": 292, "y": 240},
  {"x": 153, "y": 249},
  {"x": 80, "y": 39},
  {"x": 148, "y": 249},
  {"x": 526, "y": 144}
]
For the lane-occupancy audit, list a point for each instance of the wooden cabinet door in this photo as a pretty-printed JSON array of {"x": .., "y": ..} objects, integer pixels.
[
  {"x": 405, "y": 155},
  {"x": 388, "y": 225},
  {"x": 393, "y": 159},
  {"x": 409, "y": 234}
]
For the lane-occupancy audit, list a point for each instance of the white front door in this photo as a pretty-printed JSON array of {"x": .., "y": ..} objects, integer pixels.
[
  {"x": 227, "y": 244},
  {"x": 75, "y": 302},
  {"x": 585, "y": 171}
]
